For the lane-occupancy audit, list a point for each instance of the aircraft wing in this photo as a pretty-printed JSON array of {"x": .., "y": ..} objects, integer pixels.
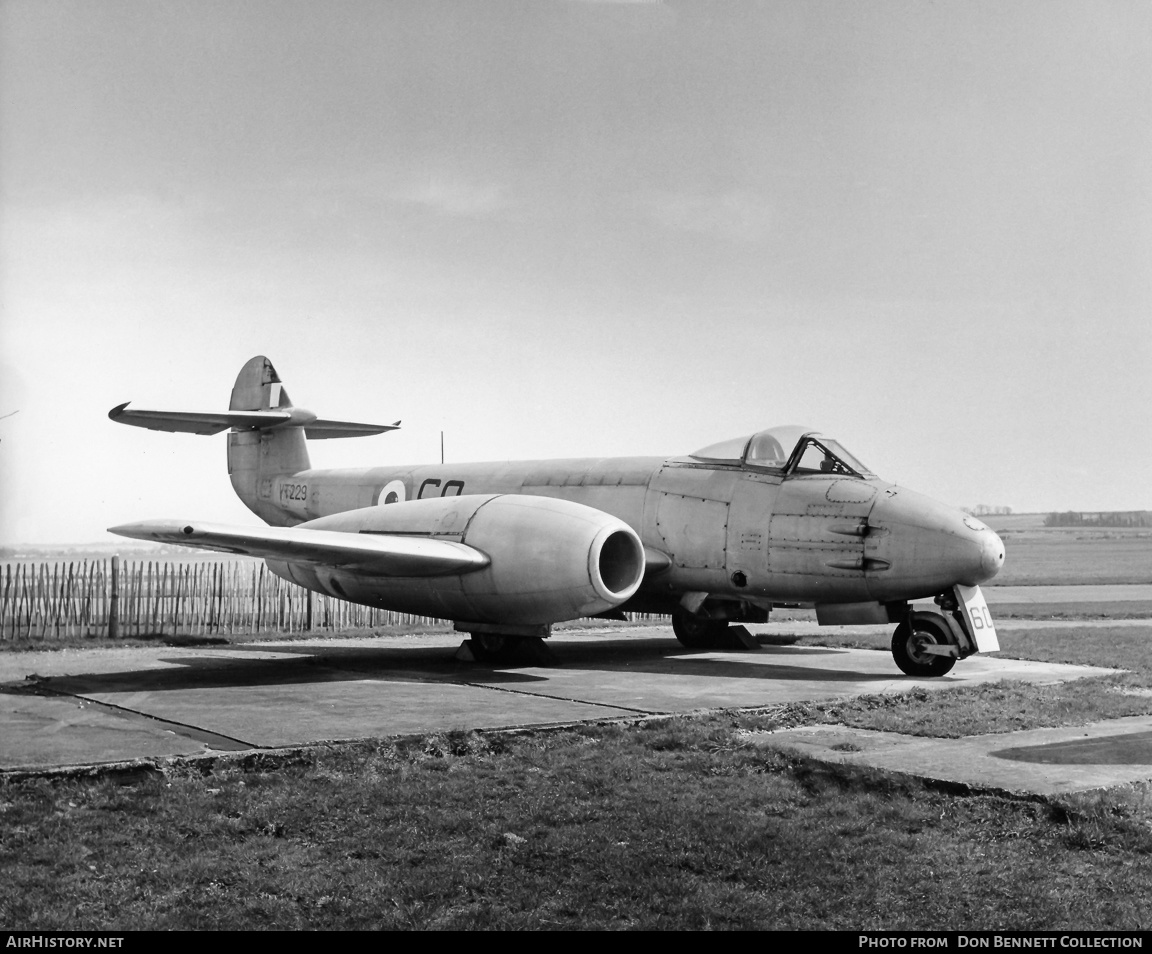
[
  {"x": 373, "y": 553},
  {"x": 213, "y": 422}
]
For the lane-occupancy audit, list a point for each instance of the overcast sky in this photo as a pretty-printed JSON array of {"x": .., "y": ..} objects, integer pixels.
[{"x": 576, "y": 229}]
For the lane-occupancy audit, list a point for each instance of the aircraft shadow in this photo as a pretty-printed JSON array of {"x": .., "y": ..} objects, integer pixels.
[{"x": 436, "y": 664}]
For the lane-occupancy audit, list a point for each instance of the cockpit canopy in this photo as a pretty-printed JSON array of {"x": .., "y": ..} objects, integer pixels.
[{"x": 789, "y": 449}]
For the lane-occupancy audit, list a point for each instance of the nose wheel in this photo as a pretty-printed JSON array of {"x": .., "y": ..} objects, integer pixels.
[{"x": 911, "y": 644}]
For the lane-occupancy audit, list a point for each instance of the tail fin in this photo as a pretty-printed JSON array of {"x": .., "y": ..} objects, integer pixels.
[
  {"x": 267, "y": 437},
  {"x": 255, "y": 457}
]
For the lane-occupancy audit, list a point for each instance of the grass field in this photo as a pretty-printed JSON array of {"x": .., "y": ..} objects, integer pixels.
[{"x": 1070, "y": 556}]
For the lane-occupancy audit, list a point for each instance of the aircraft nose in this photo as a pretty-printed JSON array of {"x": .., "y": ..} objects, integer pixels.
[
  {"x": 928, "y": 547},
  {"x": 991, "y": 554}
]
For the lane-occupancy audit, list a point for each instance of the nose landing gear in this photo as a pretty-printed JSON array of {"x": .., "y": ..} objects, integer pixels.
[{"x": 923, "y": 646}]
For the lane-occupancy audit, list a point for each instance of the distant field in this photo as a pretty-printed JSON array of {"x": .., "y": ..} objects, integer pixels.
[
  {"x": 1037, "y": 556},
  {"x": 1014, "y": 521}
]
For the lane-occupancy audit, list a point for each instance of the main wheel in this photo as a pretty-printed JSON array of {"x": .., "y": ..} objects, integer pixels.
[
  {"x": 490, "y": 647},
  {"x": 909, "y": 642},
  {"x": 695, "y": 632}
]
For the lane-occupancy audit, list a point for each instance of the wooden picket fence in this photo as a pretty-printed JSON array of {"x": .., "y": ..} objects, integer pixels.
[{"x": 118, "y": 598}]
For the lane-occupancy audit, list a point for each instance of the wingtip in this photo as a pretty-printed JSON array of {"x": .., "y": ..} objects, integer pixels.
[
  {"x": 152, "y": 529},
  {"x": 118, "y": 410}
]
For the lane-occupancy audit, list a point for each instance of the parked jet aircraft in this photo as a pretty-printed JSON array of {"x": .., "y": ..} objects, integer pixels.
[{"x": 783, "y": 517}]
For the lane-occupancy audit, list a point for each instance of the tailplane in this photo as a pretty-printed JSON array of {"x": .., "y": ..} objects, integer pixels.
[{"x": 267, "y": 436}]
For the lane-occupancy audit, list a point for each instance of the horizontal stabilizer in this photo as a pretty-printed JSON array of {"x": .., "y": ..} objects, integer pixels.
[
  {"x": 321, "y": 430},
  {"x": 213, "y": 422},
  {"x": 377, "y": 554}
]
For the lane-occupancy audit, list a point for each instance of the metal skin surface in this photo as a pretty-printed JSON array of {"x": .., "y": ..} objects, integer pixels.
[
  {"x": 787, "y": 536},
  {"x": 723, "y": 540},
  {"x": 545, "y": 559}
]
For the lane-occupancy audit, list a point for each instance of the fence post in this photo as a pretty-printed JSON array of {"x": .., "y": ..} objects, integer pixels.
[{"x": 114, "y": 601}]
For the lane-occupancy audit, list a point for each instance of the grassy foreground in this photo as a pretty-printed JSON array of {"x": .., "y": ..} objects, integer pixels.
[
  {"x": 678, "y": 825},
  {"x": 688, "y": 823}
]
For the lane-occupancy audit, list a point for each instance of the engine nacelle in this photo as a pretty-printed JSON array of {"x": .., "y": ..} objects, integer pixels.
[{"x": 549, "y": 560}]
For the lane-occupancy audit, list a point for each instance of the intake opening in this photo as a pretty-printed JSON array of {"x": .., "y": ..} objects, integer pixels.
[{"x": 621, "y": 562}]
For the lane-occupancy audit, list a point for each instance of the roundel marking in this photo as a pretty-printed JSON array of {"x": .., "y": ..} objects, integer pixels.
[{"x": 391, "y": 492}]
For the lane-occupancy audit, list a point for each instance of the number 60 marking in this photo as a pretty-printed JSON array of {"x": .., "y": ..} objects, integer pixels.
[{"x": 981, "y": 618}]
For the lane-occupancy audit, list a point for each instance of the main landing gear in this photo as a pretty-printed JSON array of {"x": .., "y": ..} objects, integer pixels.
[
  {"x": 491, "y": 647},
  {"x": 500, "y": 649},
  {"x": 696, "y": 632},
  {"x": 705, "y": 632}
]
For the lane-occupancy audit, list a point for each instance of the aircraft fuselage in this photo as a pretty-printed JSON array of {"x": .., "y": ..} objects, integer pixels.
[{"x": 726, "y": 530}]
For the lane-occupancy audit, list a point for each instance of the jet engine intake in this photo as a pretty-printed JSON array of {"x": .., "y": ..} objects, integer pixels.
[{"x": 549, "y": 560}]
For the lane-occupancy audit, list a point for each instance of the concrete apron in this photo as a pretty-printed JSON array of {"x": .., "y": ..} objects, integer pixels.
[
  {"x": 91, "y": 707},
  {"x": 1037, "y": 761}
]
